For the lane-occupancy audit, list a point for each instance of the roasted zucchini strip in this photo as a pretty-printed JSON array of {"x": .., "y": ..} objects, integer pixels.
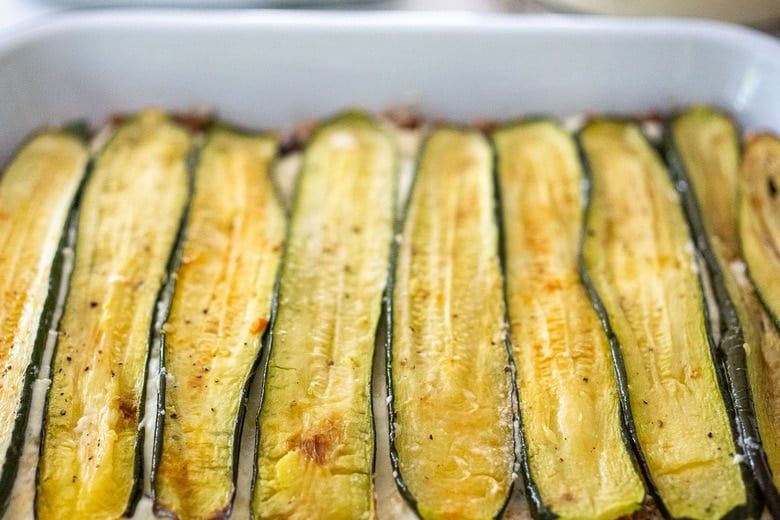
[
  {"x": 129, "y": 218},
  {"x": 703, "y": 150},
  {"x": 211, "y": 341},
  {"x": 36, "y": 194},
  {"x": 640, "y": 263},
  {"x": 449, "y": 383},
  {"x": 577, "y": 462},
  {"x": 759, "y": 218},
  {"x": 316, "y": 440}
]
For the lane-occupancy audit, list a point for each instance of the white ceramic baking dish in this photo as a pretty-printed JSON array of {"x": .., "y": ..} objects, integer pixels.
[{"x": 268, "y": 69}]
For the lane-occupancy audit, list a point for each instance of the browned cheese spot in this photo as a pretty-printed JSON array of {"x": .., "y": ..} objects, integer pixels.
[{"x": 319, "y": 444}]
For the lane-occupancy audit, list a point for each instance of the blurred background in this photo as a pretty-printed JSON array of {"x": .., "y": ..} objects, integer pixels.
[{"x": 761, "y": 14}]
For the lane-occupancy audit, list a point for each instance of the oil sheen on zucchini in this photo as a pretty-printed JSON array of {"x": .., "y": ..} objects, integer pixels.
[
  {"x": 220, "y": 309},
  {"x": 703, "y": 146},
  {"x": 36, "y": 193},
  {"x": 449, "y": 380},
  {"x": 640, "y": 262},
  {"x": 316, "y": 440},
  {"x": 129, "y": 218},
  {"x": 759, "y": 217},
  {"x": 577, "y": 461}
]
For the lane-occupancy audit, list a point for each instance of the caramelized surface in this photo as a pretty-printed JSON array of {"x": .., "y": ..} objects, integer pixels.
[
  {"x": 316, "y": 440},
  {"x": 640, "y": 258},
  {"x": 450, "y": 382},
  {"x": 128, "y": 224},
  {"x": 220, "y": 309},
  {"x": 577, "y": 457},
  {"x": 36, "y": 192},
  {"x": 708, "y": 145}
]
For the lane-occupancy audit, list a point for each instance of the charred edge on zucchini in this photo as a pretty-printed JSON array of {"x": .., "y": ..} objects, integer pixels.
[
  {"x": 312, "y": 449},
  {"x": 702, "y": 148},
  {"x": 759, "y": 218},
  {"x": 148, "y": 141},
  {"x": 232, "y": 243},
  {"x": 563, "y": 358},
  {"x": 456, "y": 166},
  {"x": 48, "y": 167},
  {"x": 633, "y": 206}
]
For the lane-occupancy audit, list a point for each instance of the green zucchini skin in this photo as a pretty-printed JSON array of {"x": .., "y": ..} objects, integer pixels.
[
  {"x": 627, "y": 416},
  {"x": 389, "y": 312},
  {"x": 232, "y": 133},
  {"x": 10, "y": 465},
  {"x": 157, "y": 335},
  {"x": 541, "y": 509},
  {"x": 377, "y": 132},
  {"x": 522, "y": 467},
  {"x": 732, "y": 341},
  {"x": 752, "y": 504},
  {"x": 160, "y": 309},
  {"x": 157, "y": 331},
  {"x": 760, "y": 156}
]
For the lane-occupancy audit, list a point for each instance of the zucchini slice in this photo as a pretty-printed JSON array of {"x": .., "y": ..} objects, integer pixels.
[
  {"x": 703, "y": 149},
  {"x": 449, "y": 377},
  {"x": 221, "y": 306},
  {"x": 577, "y": 461},
  {"x": 130, "y": 214},
  {"x": 640, "y": 264},
  {"x": 316, "y": 440},
  {"x": 759, "y": 217},
  {"x": 47, "y": 169}
]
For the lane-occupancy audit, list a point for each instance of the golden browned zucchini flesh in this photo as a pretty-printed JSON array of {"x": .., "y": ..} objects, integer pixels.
[
  {"x": 221, "y": 307},
  {"x": 640, "y": 260},
  {"x": 759, "y": 217},
  {"x": 36, "y": 194},
  {"x": 577, "y": 460},
  {"x": 316, "y": 441},
  {"x": 129, "y": 219},
  {"x": 450, "y": 383},
  {"x": 705, "y": 143}
]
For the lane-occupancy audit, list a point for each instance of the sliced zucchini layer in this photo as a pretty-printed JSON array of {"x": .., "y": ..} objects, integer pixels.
[
  {"x": 703, "y": 146},
  {"x": 316, "y": 440},
  {"x": 577, "y": 461},
  {"x": 759, "y": 217},
  {"x": 706, "y": 144},
  {"x": 91, "y": 463},
  {"x": 449, "y": 382},
  {"x": 220, "y": 309},
  {"x": 47, "y": 169},
  {"x": 640, "y": 261}
]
